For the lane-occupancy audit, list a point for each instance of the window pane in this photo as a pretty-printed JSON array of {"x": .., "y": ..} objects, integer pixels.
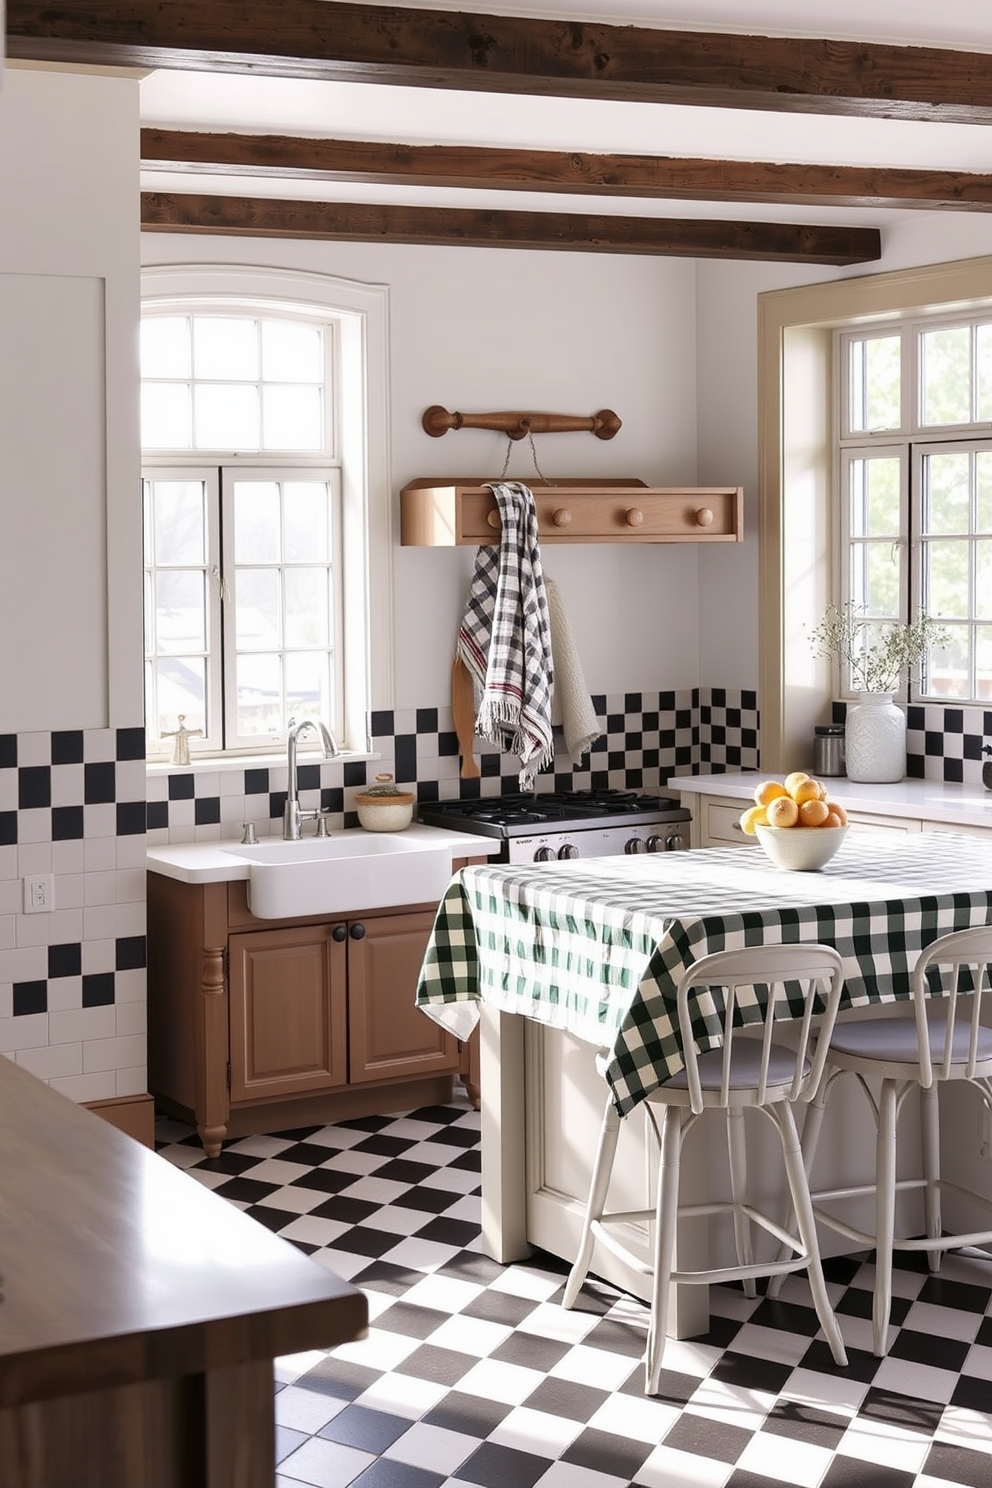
[
  {"x": 180, "y": 611},
  {"x": 983, "y": 579},
  {"x": 166, "y": 416},
  {"x": 874, "y": 487},
  {"x": 258, "y": 620},
  {"x": 983, "y": 483},
  {"x": 948, "y": 672},
  {"x": 308, "y": 684},
  {"x": 307, "y": 607},
  {"x": 292, "y": 352},
  {"x": 226, "y": 417},
  {"x": 180, "y": 684},
  {"x": 875, "y": 571},
  {"x": 983, "y": 337},
  {"x": 306, "y": 530},
  {"x": 983, "y": 663},
  {"x": 946, "y": 586},
  {"x": 291, "y": 418},
  {"x": 178, "y": 522},
  {"x": 947, "y": 496},
  {"x": 256, "y": 522},
  {"x": 165, "y": 348},
  {"x": 945, "y": 372},
  {"x": 225, "y": 347},
  {"x": 259, "y": 693},
  {"x": 875, "y": 387}
]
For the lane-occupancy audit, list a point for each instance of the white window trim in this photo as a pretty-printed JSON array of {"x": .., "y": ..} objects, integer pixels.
[
  {"x": 364, "y": 446},
  {"x": 794, "y": 455}
]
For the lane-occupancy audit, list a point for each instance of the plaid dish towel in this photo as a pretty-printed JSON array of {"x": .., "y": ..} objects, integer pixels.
[{"x": 505, "y": 637}]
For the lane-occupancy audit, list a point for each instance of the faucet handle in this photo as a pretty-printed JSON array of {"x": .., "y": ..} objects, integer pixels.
[
  {"x": 249, "y": 839},
  {"x": 324, "y": 824}
]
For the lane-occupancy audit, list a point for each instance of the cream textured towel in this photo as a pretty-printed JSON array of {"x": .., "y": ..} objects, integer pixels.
[{"x": 571, "y": 705}]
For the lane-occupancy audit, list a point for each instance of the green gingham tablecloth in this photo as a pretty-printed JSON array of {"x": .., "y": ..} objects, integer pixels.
[{"x": 596, "y": 947}]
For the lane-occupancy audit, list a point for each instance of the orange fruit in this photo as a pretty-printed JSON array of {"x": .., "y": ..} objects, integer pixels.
[
  {"x": 767, "y": 791},
  {"x": 782, "y": 812},
  {"x": 754, "y": 816},
  {"x": 794, "y": 780},
  {"x": 839, "y": 812},
  {"x": 831, "y": 819},
  {"x": 806, "y": 790},
  {"x": 813, "y": 813}
]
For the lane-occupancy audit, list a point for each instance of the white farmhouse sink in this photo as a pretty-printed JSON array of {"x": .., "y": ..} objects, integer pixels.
[{"x": 328, "y": 875}]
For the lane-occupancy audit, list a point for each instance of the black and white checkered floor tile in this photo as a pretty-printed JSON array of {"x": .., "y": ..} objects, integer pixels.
[{"x": 472, "y": 1374}]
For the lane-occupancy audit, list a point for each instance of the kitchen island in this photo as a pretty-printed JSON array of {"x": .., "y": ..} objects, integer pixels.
[
  {"x": 140, "y": 1314},
  {"x": 563, "y": 958}
]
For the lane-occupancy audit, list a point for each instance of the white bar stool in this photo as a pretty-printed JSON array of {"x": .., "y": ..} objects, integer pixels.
[
  {"x": 903, "y": 1054},
  {"x": 746, "y": 1071}
]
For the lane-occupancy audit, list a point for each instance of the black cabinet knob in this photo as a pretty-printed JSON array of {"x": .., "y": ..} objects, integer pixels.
[
  {"x": 340, "y": 932},
  {"x": 358, "y": 932}
]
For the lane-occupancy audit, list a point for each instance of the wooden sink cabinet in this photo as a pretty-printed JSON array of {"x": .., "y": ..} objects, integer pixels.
[{"x": 264, "y": 1025}]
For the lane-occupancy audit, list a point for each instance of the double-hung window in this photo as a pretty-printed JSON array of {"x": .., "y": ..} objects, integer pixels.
[
  {"x": 243, "y": 526},
  {"x": 915, "y": 474}
]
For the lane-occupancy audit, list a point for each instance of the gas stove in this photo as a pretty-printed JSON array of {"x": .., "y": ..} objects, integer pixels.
[{"x": 567, "y": 824}]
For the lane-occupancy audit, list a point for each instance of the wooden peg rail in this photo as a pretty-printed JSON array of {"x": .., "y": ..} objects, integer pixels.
[
  {"x": 448, "y": 511},
  {"x": 438, "y": 421}
]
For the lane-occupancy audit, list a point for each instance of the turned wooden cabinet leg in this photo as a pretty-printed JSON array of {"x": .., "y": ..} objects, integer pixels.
[{"x": 213, "y": 1103}]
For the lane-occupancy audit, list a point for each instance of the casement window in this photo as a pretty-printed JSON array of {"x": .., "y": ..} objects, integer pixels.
[
  {"x": 258, "y": 543},
  {"x": 915, "y": 489}
]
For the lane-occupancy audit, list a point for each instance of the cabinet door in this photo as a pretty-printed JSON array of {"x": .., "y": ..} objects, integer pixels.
[
  {"x": 288, "y": 1012},
  {"x": 388, "y": 1034}
]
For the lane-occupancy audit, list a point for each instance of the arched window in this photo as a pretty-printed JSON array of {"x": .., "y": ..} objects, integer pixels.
[{"x": 266, "y": 511}]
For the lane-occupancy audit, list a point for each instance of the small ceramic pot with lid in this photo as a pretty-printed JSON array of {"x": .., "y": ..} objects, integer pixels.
[{"x": 383, "y": 807}]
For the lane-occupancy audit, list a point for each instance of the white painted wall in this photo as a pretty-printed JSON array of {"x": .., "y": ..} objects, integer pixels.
[
  {"x": 480, "y": 330},
  {"x": 726, "y": 363},
  {"x": 69, "y": 445}
]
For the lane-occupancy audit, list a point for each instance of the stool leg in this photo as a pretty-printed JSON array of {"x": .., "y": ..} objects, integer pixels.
[
  {"x": 737, "y": 1152},
  {"x": 930, "y": 1136},
  {"x": 799, "y": 1189},
  {"x": 811, "y": 1136},
  {"x": 599, "y": 1186},
  {"x": 885, "y": 1214},
  {"x": 666, "y": 1221}
]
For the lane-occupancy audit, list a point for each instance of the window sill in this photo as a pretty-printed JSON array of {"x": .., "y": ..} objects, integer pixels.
[{"x": 231, "y": 763}]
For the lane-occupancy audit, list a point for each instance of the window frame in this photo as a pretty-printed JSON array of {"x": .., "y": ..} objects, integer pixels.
[
  {"x": 360, "y": 440},
  {"x": 911, "y": 443}
]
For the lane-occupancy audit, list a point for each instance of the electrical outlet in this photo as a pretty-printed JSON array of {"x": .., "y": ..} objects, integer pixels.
[{"x": 39, "y": 894}]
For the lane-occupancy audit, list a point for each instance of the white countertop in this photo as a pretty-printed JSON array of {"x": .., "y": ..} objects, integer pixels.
[
  {"x": 209, "y": 862},
  {"x": 924, "y": 800}
]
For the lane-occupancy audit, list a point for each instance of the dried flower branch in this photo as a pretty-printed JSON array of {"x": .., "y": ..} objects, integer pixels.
[{"x": 875, "y": 656}]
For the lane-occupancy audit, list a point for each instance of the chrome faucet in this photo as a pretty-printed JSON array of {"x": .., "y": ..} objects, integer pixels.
[{"x": 293, "y": 817}]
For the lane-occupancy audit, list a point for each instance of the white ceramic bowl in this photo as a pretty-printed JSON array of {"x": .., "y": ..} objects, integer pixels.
[{"x": 802, "y": 848}]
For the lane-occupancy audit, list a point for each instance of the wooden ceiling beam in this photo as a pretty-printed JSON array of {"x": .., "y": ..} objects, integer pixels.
[
  {"x": 505, "y": 169},
  {"x": 509, "y": 54},
  {"x": 359, "y": 222}
]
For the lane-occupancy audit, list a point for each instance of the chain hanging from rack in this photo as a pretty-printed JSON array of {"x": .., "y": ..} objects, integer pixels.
[{"x": 533, "y": 452}]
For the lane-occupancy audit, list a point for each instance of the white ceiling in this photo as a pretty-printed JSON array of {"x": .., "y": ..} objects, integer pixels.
[{"x": 221, "y": 101}]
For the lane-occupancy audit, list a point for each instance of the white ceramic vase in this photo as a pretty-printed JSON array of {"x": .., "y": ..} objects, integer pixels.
[{"x": 875, "y": 739}]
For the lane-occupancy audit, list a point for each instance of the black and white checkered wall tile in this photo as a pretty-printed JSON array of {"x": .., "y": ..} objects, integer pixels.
[{"x": 72, "y": 975}]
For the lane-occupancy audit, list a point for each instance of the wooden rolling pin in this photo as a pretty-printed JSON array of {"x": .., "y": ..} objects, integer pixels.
[{"x": 463, "y": 708}]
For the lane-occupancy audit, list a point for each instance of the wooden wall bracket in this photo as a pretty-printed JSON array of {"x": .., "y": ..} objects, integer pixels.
[{"x": 438, "y": 421}]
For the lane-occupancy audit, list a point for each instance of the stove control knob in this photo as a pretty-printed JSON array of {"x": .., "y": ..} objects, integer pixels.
[
  {"x": 544, "y": 855},
  {"x": 635, "y": 845},
  {"x": 568, "y": 851},
  {"x": 656, "y": 843}
]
